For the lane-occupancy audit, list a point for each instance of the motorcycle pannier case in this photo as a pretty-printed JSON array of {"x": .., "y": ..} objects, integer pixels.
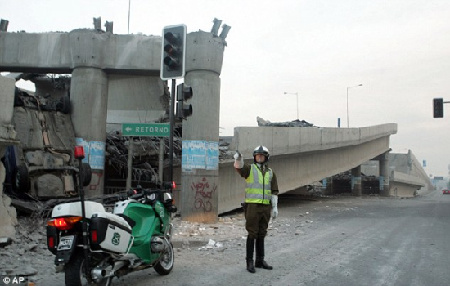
[{"x": 109, "y": 232}]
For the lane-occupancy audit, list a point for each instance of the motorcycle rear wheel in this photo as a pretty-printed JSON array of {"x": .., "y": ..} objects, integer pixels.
[
  {"x": 165, "y": 265},
  {"x": 74, "y": 273}
]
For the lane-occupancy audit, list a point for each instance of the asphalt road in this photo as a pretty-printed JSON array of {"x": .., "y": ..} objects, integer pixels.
[{"x": 336, "y": 241}]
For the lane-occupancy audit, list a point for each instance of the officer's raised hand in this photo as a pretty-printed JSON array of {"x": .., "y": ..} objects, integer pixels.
[{"x": 238, "y": 160}]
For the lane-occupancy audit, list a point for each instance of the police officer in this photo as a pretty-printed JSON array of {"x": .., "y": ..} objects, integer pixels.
[{"x": 261, "y": 197}]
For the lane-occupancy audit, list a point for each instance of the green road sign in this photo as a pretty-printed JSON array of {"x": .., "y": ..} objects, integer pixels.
[{"x": 146, "y": 129}]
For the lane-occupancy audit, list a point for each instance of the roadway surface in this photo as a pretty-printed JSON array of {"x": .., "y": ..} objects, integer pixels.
[{"x": 334, "y": 241}]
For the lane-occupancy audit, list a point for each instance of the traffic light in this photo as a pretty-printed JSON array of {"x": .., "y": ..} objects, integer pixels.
[
  {"x": 438, "y": 107},
  {"x": 184, "y": 93},
  {"x": 173, "y": 52}
]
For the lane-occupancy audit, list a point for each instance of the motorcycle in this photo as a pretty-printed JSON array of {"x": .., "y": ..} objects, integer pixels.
[{"x": 93, "y": 246}]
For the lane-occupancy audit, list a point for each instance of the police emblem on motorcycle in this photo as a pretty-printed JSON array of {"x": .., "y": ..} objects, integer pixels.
[{"x": 115, "y": 239}]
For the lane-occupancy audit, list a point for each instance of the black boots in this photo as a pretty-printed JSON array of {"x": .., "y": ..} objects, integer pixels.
[
  {"x": 259, "y": 263},
  {"x": 263, "y": 264},
  {"x": 250, "y": 266},
  {"x": 249, "y": 258}
]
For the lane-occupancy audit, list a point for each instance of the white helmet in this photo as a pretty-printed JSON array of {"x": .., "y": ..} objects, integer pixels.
[{"x": 261, "y": 150}]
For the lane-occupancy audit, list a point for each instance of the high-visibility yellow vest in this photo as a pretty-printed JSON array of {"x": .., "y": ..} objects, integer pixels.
[{"x": 258, "y": 189}]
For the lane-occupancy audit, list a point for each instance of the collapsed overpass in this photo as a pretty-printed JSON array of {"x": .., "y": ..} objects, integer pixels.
[{"x": 302, "y": 156}]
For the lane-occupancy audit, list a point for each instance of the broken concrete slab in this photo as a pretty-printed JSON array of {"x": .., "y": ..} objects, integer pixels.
[{"x": 8, "y": 217}]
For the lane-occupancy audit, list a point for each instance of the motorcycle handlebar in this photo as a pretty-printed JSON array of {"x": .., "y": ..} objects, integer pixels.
[
  {"x": 136, "y": 197},
  {"x": 143, "y": 193}
]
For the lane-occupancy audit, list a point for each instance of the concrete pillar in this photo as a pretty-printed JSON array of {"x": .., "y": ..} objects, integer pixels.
[
  {"x": 356, "y": 181},
  {"x": 200, "y": 178},
  {"x": 89, "y": 99},
  {"x": 384, "y": 174},
  {"x": 88, "y": 92},
  {"x": 7, "y": 89},
  {"x": 409, "y": 163}
]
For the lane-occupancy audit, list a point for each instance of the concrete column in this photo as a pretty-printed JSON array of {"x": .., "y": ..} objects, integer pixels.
[
  {"x": 200, "y": 190},
  {"x": 88, "y": 96},
  {"x": 384, "y": 174},
  {"x": 409, "y": 163},
  {"x": 356, "y": 181}
]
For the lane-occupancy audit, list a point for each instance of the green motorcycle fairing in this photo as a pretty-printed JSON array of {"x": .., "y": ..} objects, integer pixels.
[{"x": 150, "y": 221}]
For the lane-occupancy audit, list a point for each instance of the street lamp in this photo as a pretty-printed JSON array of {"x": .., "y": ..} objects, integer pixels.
[
  {"x": 348, "y": 87},
  {"x": 296, "y": 93}
]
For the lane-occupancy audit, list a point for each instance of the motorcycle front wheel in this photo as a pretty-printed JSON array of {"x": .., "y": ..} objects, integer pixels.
[
  {"x": 165, "y": 265},
  {"x": 74, "y": 272}
]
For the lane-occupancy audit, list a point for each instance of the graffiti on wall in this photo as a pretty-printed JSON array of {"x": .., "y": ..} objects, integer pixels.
[{"x": 203, "y": 194}]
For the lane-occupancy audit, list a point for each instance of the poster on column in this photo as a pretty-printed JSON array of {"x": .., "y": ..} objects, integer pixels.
[
  {"x": 97, "y": 155},
  {"x": 212, "y": 155},
  {"x": 193, "y": 155},
  {"x": 199, "y": 154},
  {"x": 94, "y": 153}
]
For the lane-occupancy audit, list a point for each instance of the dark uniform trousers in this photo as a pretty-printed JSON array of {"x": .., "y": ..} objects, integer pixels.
[{"x": 257, "y": 218}]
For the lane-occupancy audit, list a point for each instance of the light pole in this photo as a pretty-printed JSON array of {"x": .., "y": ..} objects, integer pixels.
[
  {"x": 348, "y": 87},
  {"x": 296, "y": 93}
]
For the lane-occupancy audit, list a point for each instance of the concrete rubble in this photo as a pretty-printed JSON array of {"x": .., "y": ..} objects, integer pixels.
[
  {"x": 7, "y": 137},
  {"x": 293, "y": 123},
  {"x": 8, "y": 219},
  {"x": 208, "y": 236}
]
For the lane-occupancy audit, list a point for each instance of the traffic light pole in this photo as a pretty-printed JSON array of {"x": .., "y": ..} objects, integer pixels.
[
  {"x": 173, "y": 61},
  {"x": 172, "y": 123}
]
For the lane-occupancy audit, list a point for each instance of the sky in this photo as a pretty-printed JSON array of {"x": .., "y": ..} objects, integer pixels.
[{"x": 399, "y": 50}]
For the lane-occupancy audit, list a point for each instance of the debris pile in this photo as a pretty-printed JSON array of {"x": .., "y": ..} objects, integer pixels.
[
  {"x": 220, "y": 231},
  {"x": 27, "y": 254},
  {"x": 293, "y": 123},
  {"x": 145, "y": 157}
]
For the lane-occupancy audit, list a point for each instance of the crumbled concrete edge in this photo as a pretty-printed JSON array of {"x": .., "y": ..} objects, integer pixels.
[{"x": 8, "y": 215}]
